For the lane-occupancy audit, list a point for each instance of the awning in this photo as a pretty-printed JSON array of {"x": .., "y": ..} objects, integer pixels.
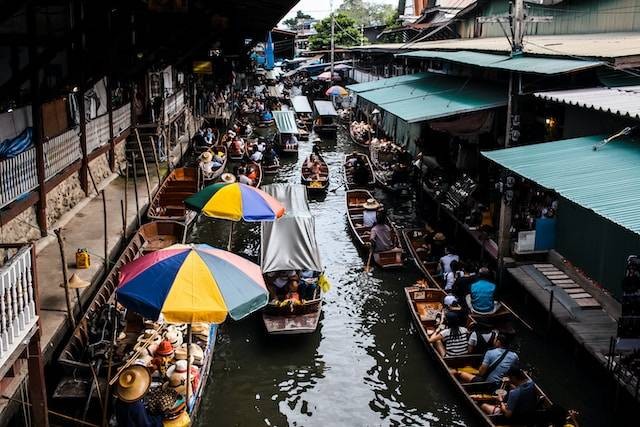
[
  {"x": 606, "y": 181},
  {"x": 290, "y": 242},
  {"x": 273, "y": 92},
  {"x": 385, "y": 83},
  {"x": 525, "y": 64},
  {"x": 301, "y": 104},
  {"x": 623, "y": 101},
  {"x": 285, "y": 121},
  {"x": 324, "y": 108},
  {"x": 435, "y": 96}
]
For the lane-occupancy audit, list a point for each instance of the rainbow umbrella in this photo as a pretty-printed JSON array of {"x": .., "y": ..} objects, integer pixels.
[
  {"x": 235, "y": 202},
  {"x": 336, "y": 91},
  {"x": 192, "y": 283}
]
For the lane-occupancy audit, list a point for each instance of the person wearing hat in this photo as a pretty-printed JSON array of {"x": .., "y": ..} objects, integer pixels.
[
  {"x": 207, "y": 163},
  {"x": 133, "y": 384},
  {"x": 228, "y": 178},
  {"x": 371, "y": 207}
]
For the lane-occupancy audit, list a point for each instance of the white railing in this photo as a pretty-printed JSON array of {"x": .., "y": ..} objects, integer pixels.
[
  {"x": 60, "y": 152},
  {"x": 97, "y": 132},
  {"x": 362, "y": 77},
  {"x": 17, "y": 307},
  {"x": 173, "y": 105},
  {"x": 121, "y": 119},
  {"x": 18, "y": 176}
]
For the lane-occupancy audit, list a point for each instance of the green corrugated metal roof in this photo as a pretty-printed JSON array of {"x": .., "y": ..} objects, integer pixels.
[
  {"x": 385, "y": 83},
  {"x": 435, "y": 96},
  {"x": 285, "y": 121},
  {"x": 525, "y": 64},
  {"x": 606, "y": 181}
]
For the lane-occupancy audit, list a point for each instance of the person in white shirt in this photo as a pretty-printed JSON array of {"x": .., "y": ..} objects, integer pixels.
[
  {"x": 256, "y": 155},
  {"x": 369, "y": 214},
  {"x": 445, "y": 261}
]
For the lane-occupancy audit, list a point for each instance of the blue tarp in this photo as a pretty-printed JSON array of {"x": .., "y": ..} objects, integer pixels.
[
  {"x": 11, "y": 147},
  {"x": 268, "y": 53}
]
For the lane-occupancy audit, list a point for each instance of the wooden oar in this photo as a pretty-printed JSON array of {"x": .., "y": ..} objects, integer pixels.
[{"x": 368, "y": 266}]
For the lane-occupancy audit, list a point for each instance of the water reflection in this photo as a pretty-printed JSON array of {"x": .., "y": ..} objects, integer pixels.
[{"x": 363, "y": 366}]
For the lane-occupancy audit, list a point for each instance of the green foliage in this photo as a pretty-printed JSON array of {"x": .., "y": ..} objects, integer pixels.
[
  {"x": 346, "y": 33},
  {"x": 367, "y": 13},
  {"x": 293, "y": 23}
]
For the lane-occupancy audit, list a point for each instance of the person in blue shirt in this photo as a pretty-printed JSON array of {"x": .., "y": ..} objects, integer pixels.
[
  {"x": 267, "y": 116},
  {"x": 495, "y": 363},
  {"x": 482, "y": 291},
  {"x": 521, "y": 400}
]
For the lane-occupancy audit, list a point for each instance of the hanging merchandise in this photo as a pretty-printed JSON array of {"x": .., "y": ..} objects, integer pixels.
[{"x": 83, "y": 259}]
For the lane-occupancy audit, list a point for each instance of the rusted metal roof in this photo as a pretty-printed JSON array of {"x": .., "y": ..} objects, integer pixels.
[{"x": 622, "y": 101}]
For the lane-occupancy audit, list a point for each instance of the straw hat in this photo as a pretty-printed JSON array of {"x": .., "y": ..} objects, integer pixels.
[
  {"x": 164, "y": 349},
  {"x": 133, "y": 383},
  {"x": 439, "y": 237},
  {"x": 174, "y": 337},
  {"x": 206, "y": 156},
  {"x": 228, "y": 178},
  {"x": 371, "y": 205},
  {"x": 197, "y": 354},
  {"x": 180, "y": 367},
  {"x": 76, "y": 282}
]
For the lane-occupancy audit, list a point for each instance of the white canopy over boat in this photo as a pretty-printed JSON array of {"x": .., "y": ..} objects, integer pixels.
[
  {"x": 301, "y": 104},
  {"x": 290, "y": 242}
]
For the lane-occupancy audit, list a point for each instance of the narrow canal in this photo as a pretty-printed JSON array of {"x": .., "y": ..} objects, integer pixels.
[{"x": 364, "y": 366}]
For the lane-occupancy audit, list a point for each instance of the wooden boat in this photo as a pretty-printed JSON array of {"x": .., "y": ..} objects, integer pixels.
[
  {"x": 287, "y": 128},
  {"x": 414, "y": 238},
  {"x": 272, "y": 168},
  {"x": 149, "y": 238},
  {"x": 383, "y": 159},
  {"x": 304, "y": 118},
  {"x": 294, "y": 233},
  {"x": 348, "y": 171},
  {"x": 361, "y": 143},
  {"x": 258, "y": 168},
  {"x": 206, "y": 179},
  {"x": 325, "y": 122},
  {"x": 168, "y": 203},
  {"x": 315, "y": 185},
  {"x": 387, "y": 259},
  {"x": 423, "y": 304},
  {"x": 199, "y": 146}
]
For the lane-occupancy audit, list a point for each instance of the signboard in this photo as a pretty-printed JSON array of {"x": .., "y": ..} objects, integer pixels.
[{"x": 202, "y": 67}]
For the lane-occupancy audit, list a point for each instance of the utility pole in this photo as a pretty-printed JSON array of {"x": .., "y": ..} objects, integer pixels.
[
  {"x": 517, "y": 20},
  {"x": 333, "y": 41}
]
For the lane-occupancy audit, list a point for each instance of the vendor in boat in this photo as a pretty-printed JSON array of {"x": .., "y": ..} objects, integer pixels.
[
  {"x": 453, "y": 339},
  {"x": 369, "y": 215},
  {"x": 270, "y": 156},
  {"x": 316, "y": 170},
  {"x": 308, "y": 284},
  {"x": 521, "y": 398},
  {"x": 284, "y": 282},
  {"x": 495, "y": 364},
  {"x": 266, "y": 116},
  {"x": 382, "y": 237},
  {"x": 133, "y": 384},
  {"x": 444, "y": 264},
  {"x": 481, "y": 297},
  {"x": 256, "y": 155},
  {"x": 291, "y": 141},
  {"x": 261, "y": 145},
  {"x": 208, "y": 136},
  {"x": 237, "y": 145},
  {"x": 209, "y": 163}
]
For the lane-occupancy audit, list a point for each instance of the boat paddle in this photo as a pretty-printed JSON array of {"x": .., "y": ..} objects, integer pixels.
[{"x": 368, "y": 268}]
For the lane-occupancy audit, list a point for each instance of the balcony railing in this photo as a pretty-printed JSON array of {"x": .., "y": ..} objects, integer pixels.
[
  {"x": 18, "y": 176},
  {"x": 60, "y": 152},
  {"x": 17, "y": 306},
  {"x": 173, "y": 105}
]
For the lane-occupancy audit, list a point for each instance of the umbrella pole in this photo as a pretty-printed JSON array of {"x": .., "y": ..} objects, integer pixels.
[
  {"x": 188, "y": 363},
  {"x": 230, "y": 236}
]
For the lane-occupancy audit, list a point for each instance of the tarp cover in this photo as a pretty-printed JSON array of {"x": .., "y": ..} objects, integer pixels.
[
  {"x": 301, "y": 104},
  {"x": 285, "y": 121},
  {"x": 325, "y": 108},
  {"x": 290, "y": 242},
  {"x": 11, "y": 147}
]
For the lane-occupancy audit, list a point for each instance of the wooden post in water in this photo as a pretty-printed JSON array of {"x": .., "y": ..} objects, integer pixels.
[
  {"x": 144, "y": 165},
  {"x": 135, "y": 190}
]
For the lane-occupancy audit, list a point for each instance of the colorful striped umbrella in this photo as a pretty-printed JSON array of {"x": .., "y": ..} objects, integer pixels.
[
  {"x": 235, "y": 202},
  {"x": 336, "y": 91},
  {"x": 192, "y": 283}
]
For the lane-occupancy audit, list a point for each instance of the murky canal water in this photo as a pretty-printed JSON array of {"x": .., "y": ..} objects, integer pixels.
[{"x": 364, "y": 366}]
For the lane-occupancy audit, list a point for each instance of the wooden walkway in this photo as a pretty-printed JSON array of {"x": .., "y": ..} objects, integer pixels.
[{"x": 583, "y": 317}]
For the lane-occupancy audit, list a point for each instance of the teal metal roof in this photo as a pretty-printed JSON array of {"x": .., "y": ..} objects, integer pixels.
[
  {"x": 606, "y": 181},
  {"x": 285, "y": 121},
  {"x": 525, "y": 64},
  {"x": 436, "y": 96},
  {"x": 385, "y": 83}
]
